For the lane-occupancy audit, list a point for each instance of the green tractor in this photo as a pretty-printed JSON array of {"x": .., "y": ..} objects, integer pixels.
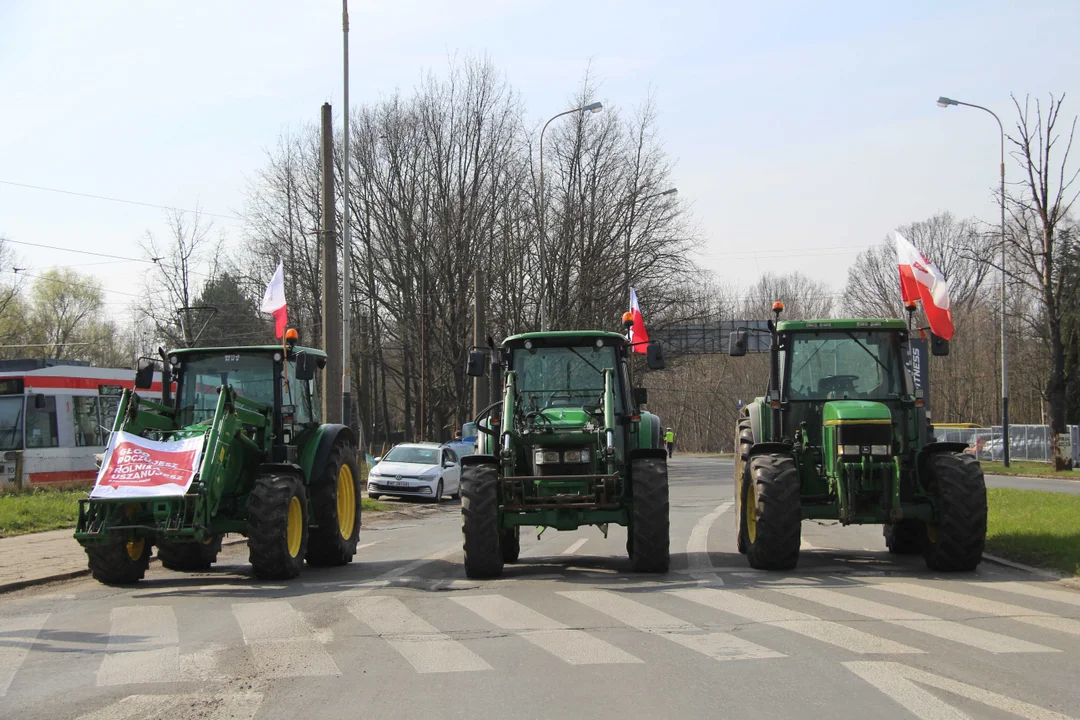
[
  {"x": 567, "y": 446},
  {"x": 842, "y": 434},
  {"x": 269, "y": 469}
]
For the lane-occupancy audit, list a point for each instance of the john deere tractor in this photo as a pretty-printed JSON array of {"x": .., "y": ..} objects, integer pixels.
[
  {"x": 567, "y": 446},
  {"x": 270, "y": 470},
  {"x": 842, "y": 435}
]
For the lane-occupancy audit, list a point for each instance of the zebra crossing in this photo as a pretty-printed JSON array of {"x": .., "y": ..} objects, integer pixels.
[{"x": 457, "y": 632}]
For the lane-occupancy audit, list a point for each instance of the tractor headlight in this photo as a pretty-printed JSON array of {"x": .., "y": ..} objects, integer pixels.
[
  {"x": 546, "y": 457},
  {"x": 880, "y": 450},
  {"x": 575, "y": 456},
  {"x": 848, "y": 449}
]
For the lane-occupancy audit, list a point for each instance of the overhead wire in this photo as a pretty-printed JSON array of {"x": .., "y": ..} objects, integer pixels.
[{"x": 120, "y": 200}]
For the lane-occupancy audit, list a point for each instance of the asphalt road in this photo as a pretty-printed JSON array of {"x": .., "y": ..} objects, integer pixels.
[
  {"x": 568, "y": 632},
  {"x": 1023, "y": 483}
]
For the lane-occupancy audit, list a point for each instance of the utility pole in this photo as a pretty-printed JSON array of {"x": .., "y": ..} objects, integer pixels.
[
  {"x": 480, "y": 390},
  {"x": 364, "y": 405},
  {"x": 346, "y": 244},
  {"x": 331, "y": 303},
  {"x": 422, "y": 425}
]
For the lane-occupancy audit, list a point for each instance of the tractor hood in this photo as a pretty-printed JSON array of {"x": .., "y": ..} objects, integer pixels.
[
  {"x": 838, "y": 412},
  {"x": 566, "y": 418}
]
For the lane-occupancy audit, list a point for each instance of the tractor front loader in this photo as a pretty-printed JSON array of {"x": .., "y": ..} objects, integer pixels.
[
  {"x": 269, "y": 469},
  {"x": 841, "y": 434}
]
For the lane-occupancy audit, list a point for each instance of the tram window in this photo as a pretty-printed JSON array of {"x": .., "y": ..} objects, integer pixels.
[
  {"x": 41, "y": 422},
  {"x": 87, "y": 430}
]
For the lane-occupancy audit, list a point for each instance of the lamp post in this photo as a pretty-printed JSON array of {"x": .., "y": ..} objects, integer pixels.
[
  {"x": 946, "y": 102},
  {"x": 591, "y": 107},
  {"x": 629, "y": 229},
  {"x": 346, "y": 239}
]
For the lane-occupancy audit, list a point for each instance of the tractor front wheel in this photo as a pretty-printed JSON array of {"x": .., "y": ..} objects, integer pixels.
[
  {"x": 335, "y": 505},
  {"x": 744, "y": 439},
  {"x": 904, "y": 537},
  {"x": 649, "y": 543},
  {"x": 772, "y": 513},
  {"x": 121, "y": 562},
  {"x": 510, "y": 543},
  {"x": 277, "y": 526},
  {"x": 189, "y": 556},
  {"x": 480, "y": 521},
  {"x": 956, "y": 541}
]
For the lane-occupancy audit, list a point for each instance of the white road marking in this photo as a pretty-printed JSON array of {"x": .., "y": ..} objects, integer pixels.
[
  {"x": 144, "y": 647},
  {"x": 717, "y": 645},
  {"x": 899, "y": 683},
  {"x": 765, "y": 613},
  {"x": 575, "y": 547},
  {"x": 282, "y": 642},
  {"x": 805, "y": 545},
  {"x": 1033, "y": 589},
  {"x": 417, "y": 640},
  {"x": 572, "y": 646},
  {"x": 18, "y": 633},
  {"x": 699, "y": 563},
  {"x": 367, "y": 545},
  {"x": 207, "y": 706},
  {"x": 945, "y": 629},
  {"x": 379, "y": 581},
  {"x": 982, "y": 606}
]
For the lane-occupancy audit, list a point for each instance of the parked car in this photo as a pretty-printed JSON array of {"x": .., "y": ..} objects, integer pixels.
[{"x": 428, "y": 470}]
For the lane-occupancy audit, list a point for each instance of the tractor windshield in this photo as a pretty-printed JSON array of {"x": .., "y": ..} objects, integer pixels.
[
  {"x": 563, "y": 376},
  {"x": 856, "y": 365},
  {"x": 251, "y": 376}
]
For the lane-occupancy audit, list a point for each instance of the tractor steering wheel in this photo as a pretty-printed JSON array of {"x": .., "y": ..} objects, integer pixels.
[
  {"x": 549, "y": 400},
  {"x": 838, "y": 383}
]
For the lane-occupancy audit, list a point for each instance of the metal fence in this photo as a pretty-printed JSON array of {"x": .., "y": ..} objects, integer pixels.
[{"x": 1026, "y": 442}]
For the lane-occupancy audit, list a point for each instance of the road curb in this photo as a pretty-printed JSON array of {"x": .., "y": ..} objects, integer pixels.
[{"x": 1026, "y": 568}]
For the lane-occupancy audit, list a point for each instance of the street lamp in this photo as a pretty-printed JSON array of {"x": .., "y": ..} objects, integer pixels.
[
  {"x": 593, "y": 108},
  {"x": 947, "y": 102},
  {"x": 629, "y": 229}
]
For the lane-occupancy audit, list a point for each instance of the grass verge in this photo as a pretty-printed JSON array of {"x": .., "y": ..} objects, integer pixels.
[
  {"x": 38, "y": 511},
  {"x": 1028, "y": 469},
  {"x": 373, "y": 505},
  {"x": 1034, "y": 527}
]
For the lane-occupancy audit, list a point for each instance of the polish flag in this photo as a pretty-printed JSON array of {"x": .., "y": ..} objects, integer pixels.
[
  {"x": 639, "y": 339},
  {"x": 920, "y": 279},
  {"x": 273, "y": 301}
]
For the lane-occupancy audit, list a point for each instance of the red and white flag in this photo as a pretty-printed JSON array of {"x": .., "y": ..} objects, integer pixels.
[
  {"x": 639, "y": 338},
  {"x": 273, "y": 301},
  {"x": 920, "y": 279}
]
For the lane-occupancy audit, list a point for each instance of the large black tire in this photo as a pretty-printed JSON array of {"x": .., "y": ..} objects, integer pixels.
[
  {"x": 189, "y": 556},
  {"x": 904, "y": 537},
  {"x": 480, "y": 521},
  {"x": 510, "y": 544},
  {"x": 956, "y": 542},
  {"x": 773, "y": 513},
  {"x": 744, "y": 439},
  {"x": 649, "y": 530},
  {"x": 277, "y": 544},
  {"x": 121, "y": 562},
  {"x": 337, "y": 524}
]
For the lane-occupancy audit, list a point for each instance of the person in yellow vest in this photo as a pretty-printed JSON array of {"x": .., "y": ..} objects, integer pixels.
[{"x": 669, "y": 438}]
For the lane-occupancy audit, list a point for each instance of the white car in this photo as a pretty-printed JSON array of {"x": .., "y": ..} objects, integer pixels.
[{"x": 428, "y": 470}]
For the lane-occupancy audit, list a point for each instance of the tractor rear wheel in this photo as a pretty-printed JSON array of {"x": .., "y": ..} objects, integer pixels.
[
  {"x": 120, "y": 562},
  {"x": 956, "y": 541},
  {"x": 649, "y": 544},
  {"x": 773, "y": 513},
  {"x": 510, "y": 543},
  {"x": 189, "y": 556},
  {"x": 277, "y": 526},
  {"x": 744, "y": 439},
  {"x": 335, "y": 507},
  {"x": 480, "y": 521},
  {"x": 904, "y": 537}
]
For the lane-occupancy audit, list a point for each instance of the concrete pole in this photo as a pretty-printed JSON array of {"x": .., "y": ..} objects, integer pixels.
[
  {"x": 480, "y": 390},
  {"x": 331, "y": 303},
  {"x": 346, "y": 245}
]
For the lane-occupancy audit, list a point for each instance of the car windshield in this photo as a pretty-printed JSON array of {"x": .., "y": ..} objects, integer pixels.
[
  {"x": 562, "y": 376},
  {"x": 251, "y": 376},
  {"x": 839, "y": 365},
  {"x": 415, "y": 455},
  {"x": 11, "y": 422}
]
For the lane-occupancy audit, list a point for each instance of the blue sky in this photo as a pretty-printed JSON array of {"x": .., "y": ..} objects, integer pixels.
[{"x": 803, "y": 131}]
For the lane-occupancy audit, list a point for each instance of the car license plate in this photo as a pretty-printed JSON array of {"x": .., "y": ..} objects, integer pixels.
[{"x": 396, "y": 483}]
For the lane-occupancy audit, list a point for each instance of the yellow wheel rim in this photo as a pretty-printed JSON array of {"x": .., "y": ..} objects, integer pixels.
[
  {"x": 296, "y": 526},
  {"x": 346, "y": 502},
  {"x": 135, "y": 548},
  {"x": 750, "y": 513},
  {"x": 932, "y": 532}
]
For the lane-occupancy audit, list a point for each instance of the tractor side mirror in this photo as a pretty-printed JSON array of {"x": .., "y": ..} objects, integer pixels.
[
  {"x": 306, "y": 364},
  {"x": 655, "y": 357},
  {"x": 144, "y": 374},
  {"x": 475, "y": 366},
  {"x": 939, "y": 346},
  {"x": 737, "y": 343},
  {"x": 641, "y": 396}
]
